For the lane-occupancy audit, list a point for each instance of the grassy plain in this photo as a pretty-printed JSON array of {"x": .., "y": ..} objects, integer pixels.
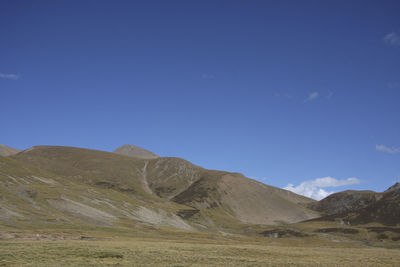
[
  {"x": 181, "y": 248},
  {"x": 168, "y": 253}
]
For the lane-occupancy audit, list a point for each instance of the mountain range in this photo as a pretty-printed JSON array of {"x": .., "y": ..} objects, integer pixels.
[{"x": 59, "y": 187}]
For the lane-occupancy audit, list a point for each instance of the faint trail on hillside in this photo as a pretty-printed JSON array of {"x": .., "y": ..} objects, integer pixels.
[{"x": 144, "y": 176}]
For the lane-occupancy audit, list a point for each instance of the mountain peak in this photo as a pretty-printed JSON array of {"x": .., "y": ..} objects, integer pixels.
[{"x": 135, "y": 151}]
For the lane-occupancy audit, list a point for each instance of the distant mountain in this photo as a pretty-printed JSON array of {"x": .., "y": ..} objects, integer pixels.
[
  {"x": 7, "y": 151},
  {"x": 362, "y": 207},
  {"x": 345, "y": 201},
  {"x": 136, "y": 152},
  {"x": 53, "y": 185}
]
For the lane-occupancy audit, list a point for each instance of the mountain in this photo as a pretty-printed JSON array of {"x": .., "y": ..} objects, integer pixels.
[
  {"x": 361, "y": 207},
  {"x": 136, "y": 152},
  {"x": 7, "y": 151},
  {"x": 346, "y": 201},
  {"x": 67, "y": 186}
]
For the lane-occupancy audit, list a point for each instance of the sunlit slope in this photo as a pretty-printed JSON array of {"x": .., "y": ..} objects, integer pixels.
[
  {"x": 92, "y": 167},
  {"x": 245, "y": 199},
  {"x": 32, "y": 197}
]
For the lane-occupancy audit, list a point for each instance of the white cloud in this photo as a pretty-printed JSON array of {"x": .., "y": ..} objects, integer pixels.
[
  {"x": 391, "y": 150},
  {"x": 314, "y": 188},
  {"x": 9, "y": 76},
  {"x": 392, "y": 39},
  {"x": 312, "y": 96}
]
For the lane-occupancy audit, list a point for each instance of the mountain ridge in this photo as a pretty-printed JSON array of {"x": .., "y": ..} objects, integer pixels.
[
  {"x": 58, "y": 186},
  {"x": 162, "y": 191}
]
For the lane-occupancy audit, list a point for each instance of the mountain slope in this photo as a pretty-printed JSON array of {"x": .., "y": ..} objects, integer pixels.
[
  {"x": 201, "y": 197},
  {"x": 136, "y": 152},
  {"x": 246, "y": 199},
  {"x": 34, "y": 197},
  {"x": 92, "y": 167},
  {"x": 7, "y": 151}
]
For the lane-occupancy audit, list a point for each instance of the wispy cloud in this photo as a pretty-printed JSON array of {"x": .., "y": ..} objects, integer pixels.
[
  {"x": 314, "y": 188},
  {"x": 391, "y": 150},
  {"x": 392, "y": 38},
  {"x": 9, "y": 76},
  {"x": 312, "y": 96},
  {"x": 329, "y": 95}
]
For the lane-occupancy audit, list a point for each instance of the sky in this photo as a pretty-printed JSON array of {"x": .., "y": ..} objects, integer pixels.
[{"x": 303, "y": 95}]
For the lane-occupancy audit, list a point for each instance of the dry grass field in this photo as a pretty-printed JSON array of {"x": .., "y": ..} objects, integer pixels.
[
  {"x": 164, "y": 253},
  {"x": 183, "y": 249}
]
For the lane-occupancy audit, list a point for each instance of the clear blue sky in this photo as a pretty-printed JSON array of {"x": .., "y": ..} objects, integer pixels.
[{"x": 281, "y": 91}]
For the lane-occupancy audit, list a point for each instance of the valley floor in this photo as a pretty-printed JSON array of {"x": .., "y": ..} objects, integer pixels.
[{"x": 187, "y": 252}]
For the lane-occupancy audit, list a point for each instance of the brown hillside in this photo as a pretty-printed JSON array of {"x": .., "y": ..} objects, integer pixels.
[{"x": 230, "y": 195}]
